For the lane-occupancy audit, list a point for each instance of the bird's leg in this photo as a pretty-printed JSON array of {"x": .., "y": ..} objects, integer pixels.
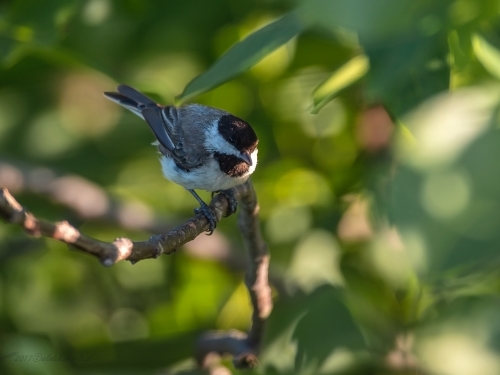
[
  {"x": 205, "y": 210},
  {"x": 233, "y": 203}
]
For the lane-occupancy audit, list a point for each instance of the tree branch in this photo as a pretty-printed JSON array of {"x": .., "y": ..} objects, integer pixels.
[
  {"x": 85, "y": 198},
  {"x": 244, "y": 347},
  {"x": 89, "y": 201}
]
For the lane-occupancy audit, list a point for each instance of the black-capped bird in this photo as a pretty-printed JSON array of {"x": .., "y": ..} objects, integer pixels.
[{"x": 201, "y": 147}]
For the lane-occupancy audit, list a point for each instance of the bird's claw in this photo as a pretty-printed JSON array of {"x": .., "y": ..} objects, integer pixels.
[
  {"x": 212, "y": 220},
  {"x": 233, "y": 202}
]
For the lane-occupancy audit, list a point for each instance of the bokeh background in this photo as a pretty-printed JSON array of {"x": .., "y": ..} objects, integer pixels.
[{"x": 378, "y": 178}]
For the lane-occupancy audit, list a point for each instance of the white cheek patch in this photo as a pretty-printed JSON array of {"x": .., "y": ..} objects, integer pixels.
[
  {"x": 215, "y": 141},
  {"x": 253, "y": 156}
]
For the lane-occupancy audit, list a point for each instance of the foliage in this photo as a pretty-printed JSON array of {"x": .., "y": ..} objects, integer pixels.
[{"x": 380, "y": 195}]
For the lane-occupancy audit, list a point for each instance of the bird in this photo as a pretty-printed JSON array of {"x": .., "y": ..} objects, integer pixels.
[{"x": 201, "y": 147}]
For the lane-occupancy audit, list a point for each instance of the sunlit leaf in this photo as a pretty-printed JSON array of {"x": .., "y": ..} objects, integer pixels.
[
  {"x": 245, "y": 54},
  {"x": 487, "y": 54},
  {"x": 343, "y": 77}
]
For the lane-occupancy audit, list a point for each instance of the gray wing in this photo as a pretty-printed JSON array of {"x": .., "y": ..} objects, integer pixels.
[
  {"x": 166, "y": 124},
  {"x": 190, "y": 151}
]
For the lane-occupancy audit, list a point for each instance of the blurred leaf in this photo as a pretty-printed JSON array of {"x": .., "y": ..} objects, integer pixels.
[
  {"x": 454, "y": 286},
  {"x": 487, "y": 54},
  {"x": 305, "y": 330},
  {"x": 374, "y": 21},
  {"x": 342, "y": 78},
  {"x": 245, "y": 54},
  {"x": 405, "y": 42},
  {"x": 32, "y": 24},
  {"x": 407, "y": 71},
  {"x": 372, "y": 301},
  {"x": 459, "y": 51},
  {"x": 325, "y": 326}
]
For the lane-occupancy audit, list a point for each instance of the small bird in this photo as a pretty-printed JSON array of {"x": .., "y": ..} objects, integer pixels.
[{"x": 201, "y": 147}]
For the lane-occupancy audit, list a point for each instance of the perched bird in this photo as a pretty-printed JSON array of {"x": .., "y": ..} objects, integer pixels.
[{"x": 201, "y": 147}]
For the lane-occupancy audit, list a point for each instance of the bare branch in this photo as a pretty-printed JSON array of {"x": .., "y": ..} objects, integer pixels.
[
  {"x": 121, "y": 248},
  {"x": 90, "y": 201}
]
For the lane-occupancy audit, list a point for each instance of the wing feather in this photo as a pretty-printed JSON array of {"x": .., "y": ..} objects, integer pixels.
[
  {"x": 152, "y": 117},
  {"x": 167, "y": 126}
]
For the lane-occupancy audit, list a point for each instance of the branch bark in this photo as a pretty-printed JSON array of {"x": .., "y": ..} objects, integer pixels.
[
  {"x": 244, "y": 347},
  {"x": 89, "y": 201}
]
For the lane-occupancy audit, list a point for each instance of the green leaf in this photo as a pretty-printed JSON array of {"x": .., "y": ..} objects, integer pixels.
[
  {"x": 326, "y": 325},
  {"x": 245, "y": 54},
  {"x": 407, "y": 71},
  {"x": 488, "y": 55},
  {"x": 343, "y": 77}
]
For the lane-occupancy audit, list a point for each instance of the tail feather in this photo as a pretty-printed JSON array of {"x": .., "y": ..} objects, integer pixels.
[
  {"x": 130, "y": 99},
  {"x": 133, "y": 94},
  {"x": 125, "y": 102},
  {"x": 146, "y": 109}
]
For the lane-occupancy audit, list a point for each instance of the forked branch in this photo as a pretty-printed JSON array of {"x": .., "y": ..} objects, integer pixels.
[{"x": 244, "y": 347}]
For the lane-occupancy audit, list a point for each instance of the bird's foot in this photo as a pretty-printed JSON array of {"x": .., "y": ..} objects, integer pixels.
[
  {"x": 233, "y": 202},
  {"x": 212, "y": 220}
]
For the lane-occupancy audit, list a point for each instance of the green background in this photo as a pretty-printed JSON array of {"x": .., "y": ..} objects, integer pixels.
[{"x": 378, "y": 180}]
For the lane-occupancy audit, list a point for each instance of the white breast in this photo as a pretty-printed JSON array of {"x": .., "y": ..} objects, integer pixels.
[{"x": 208, "y": 177}]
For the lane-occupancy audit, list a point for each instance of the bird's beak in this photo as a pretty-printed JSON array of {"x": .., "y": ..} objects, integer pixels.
[{"x": 246, "y": 158}]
